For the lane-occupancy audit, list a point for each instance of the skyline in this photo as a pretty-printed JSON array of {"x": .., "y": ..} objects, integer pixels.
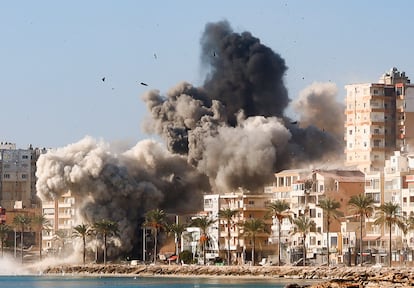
[{"x": 56, "y": 55}]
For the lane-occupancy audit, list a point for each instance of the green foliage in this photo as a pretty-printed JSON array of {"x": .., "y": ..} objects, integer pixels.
[{"x": 186, "y": 256}]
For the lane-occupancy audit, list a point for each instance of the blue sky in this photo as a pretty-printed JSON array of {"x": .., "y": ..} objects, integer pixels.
[{"x": 53, "y": 55}]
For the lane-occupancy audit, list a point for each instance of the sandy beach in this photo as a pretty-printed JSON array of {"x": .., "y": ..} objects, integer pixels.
[{"x": 319, "y": 277}]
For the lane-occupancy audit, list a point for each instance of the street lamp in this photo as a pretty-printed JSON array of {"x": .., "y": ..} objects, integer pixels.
[
  {"x": 15, "y": 244},
  {"x": 144, "y": 239}
]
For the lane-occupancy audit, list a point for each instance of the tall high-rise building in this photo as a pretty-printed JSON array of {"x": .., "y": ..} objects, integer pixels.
[
  {"x": 378, "y": 118},
  {"x": 17, "y": 177}
]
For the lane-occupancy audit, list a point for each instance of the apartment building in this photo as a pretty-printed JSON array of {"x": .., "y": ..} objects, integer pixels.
[
  {"x": 303, "y": 189},
  {"x": 248, "y": 206},
  {"x": 395, "y": 183},
  {"x": 378, "y": 116},
  {"x": 61, "y": 215},
  {"x": 17, "y": 177}
]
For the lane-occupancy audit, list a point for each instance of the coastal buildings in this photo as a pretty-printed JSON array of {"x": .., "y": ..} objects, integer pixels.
[
  {"x": 60, "y": 213},
  {"x": 379, "y": 120},
  {"x": 249, "y": 206},
  {"x": 303, "y": 189},
  {"x": 17, "y": 177}
]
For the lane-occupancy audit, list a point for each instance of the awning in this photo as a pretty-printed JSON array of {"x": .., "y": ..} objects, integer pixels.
[
  {"x": 172, "y": 258},
  {"x": 370, "y": 238}
]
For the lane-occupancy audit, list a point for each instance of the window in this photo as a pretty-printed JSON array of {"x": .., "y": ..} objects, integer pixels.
[
  {"x": 24, "y": 176},
  {"x": 312, "y": 213},
  {"x": 251, "y": 202},
  {"x": 350, "y": 132},
  {"x": 6, "y": 176},
  {"x": 25, "y": 157}
]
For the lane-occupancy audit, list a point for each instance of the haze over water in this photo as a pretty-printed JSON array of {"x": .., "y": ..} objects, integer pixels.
[{"x": 76, "y": 281}]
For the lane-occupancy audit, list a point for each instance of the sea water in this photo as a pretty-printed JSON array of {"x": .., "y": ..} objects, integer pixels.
[{"x": 66, "y": 281}]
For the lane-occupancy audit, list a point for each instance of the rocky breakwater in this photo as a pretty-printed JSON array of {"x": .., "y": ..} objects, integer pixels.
[{"x": 328, "y": 276}]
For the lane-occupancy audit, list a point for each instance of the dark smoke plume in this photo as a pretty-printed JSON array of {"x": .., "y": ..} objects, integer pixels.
[
  {"x": 212, "y": 124},
  {"x": 120, "y": 187},
  {"x": 229, "y": 133}
]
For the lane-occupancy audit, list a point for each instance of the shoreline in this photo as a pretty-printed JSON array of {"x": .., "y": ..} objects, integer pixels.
[{"x": 317, "y": 277}]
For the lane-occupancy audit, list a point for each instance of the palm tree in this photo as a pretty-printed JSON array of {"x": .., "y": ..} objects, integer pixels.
[
  {"x": 363, "y": 206},
  {"x": 280, "y": 210},
  {"x": 330, "y": 208},
  {"x": 389, "y": 215},
  {"x": 4, "y": 231},
  {"x": 40, "y": 222},
  {"x": 107, "y": 229},
  {"x": 251, "y": 228},
  {"x": 21, "y": 221},
  {"x": 302, "y": 225},
  {"x": 82, "y": 231},
  {"x": 178, "y": 230},
  {"x": 227, "y": 215},
  {"x": 204, "y": 224},
  {"x": 155, "y": 220}
]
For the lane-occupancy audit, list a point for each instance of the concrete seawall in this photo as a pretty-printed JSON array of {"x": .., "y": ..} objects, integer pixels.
[{"x": 328, "y": 276}]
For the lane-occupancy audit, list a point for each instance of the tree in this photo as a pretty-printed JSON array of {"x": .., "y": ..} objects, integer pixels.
[
  {"x": 251, "y": 228},
  {"x": 82, "y": 231},
  {"x": 280, "y": 210},
  {"x": 363, "y": 206},
  {"x": 4, "y": 231},
  {"x": 39, "y": 222},
  {"x": 155, "y": 220},
  {"x": 228, "y": 215},
  {"x": 106, "y": 228},
  {"x": 178, "y": 230},
  {"x": 21, "y": 221},
  {"x": 388, "y": 214},
  {"x": 330, "y": 208},
  {"x": 204, "y": 224},
  {"x": 302, "y": 225}
]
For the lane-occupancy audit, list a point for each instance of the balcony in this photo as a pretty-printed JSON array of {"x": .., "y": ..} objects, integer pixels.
[
  {"x": 65, "y": 216},
  {"x": 64, "y": 205},
  {"x": 297, "y": 193},
  {"x": 250, "y": 207}
]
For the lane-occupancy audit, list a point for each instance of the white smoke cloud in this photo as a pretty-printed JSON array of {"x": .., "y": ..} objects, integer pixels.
[
  {"x": 119, "y": 187},
  {"x": 243, "y": 154}
]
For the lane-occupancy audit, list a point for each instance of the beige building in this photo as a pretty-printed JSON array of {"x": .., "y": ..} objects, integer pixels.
[
  {"x": 395, "y": 183},
  {"x": 303, "y": 189},
  {"x": 249, "y": 206},
  {"x": 61, "y": 215},
  {"x": 17, "y": 177},
  {"x": 377, "y": 119}
]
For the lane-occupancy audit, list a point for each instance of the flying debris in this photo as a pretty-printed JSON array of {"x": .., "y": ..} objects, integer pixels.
[
  {"x": 103, "y": 79},
  {"x": 155, "y": 56},
  {"x": 229, "y": 133}
]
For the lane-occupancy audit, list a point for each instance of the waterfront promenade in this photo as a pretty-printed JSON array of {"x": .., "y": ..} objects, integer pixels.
[{"x": 320, "y": 277}]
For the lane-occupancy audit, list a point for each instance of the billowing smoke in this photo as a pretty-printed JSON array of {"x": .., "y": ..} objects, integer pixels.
[
  {"x": 317, "y": 106},
  {"x": 229, "y": 133},
  {"x": 120, "y": 187},
  {"x": 233, "y": 128}
]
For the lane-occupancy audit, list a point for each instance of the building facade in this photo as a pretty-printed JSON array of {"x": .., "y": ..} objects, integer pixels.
[
  {"x": 303, "y": 189},
  {"x": 61, "y": 216},
  {"x": 378, "y": 116},
  {"x": 17, "y": 177},
  {"x": 249, "y": 206}
]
